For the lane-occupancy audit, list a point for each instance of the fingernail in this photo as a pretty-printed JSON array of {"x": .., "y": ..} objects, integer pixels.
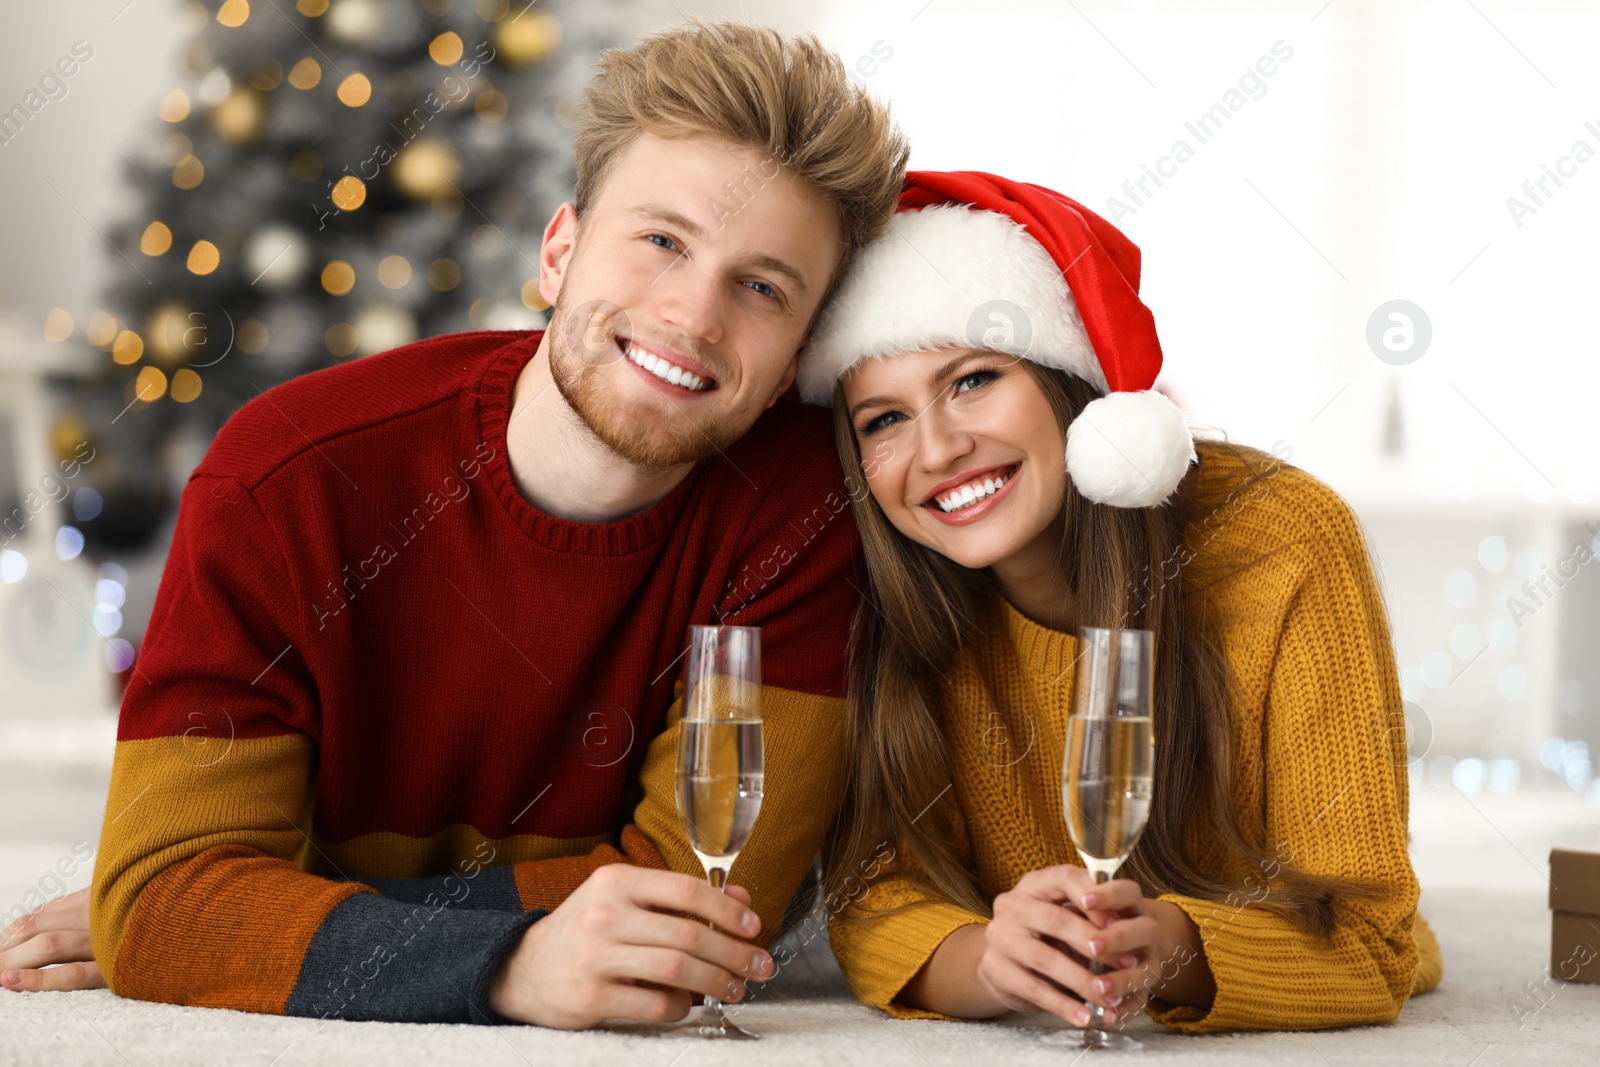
[
  {"x": 1083, "y": 1016},
  {"x": 1127, "y": 959},
  {"x": 1116, "y": 1002},
  {"x": 1102, "y": 986},
  {"x": 749, "y": 922},
  {"x": 11, "y": 978},
  {"x": 761, "y": 965},
  {"x": 1092, "y": 900},
  {"x": 1096, "y": 946}
]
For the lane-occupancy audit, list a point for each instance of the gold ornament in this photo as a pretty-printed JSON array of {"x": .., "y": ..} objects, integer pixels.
[
  {"x": 127, "y": 348},
  {"x": 67, "y": 434},
  {"x": 234, "y": 13},
  {"x": 156, "y": 240},
  {"x": 168, "y": 330},
  {"x": 150, "y": 385},
  {"x": 348, "y": 193},
  {"x": 355, "y": 90},
  {"x": 185, "y": 385},
  {"x": 203, "y": 258},
  {"x": 174, "y": 106},
  {"x": 189, "y": 173},
  {"x": 239, "y": 117},
  {"x": 425, "y": 167},
  {"x": 58, "y": 325},
  {"x": 338, "y": 278},
  {"x": 528, "y": 38}
]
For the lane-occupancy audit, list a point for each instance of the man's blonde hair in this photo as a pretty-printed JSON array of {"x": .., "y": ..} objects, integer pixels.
[{"x": 785, "y": 95}]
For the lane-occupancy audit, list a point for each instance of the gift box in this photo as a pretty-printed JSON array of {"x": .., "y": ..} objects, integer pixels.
[{"x": 1575, "y": 915}]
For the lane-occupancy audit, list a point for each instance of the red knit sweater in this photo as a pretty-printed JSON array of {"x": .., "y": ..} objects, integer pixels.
[{"x": 387, "y": 712}]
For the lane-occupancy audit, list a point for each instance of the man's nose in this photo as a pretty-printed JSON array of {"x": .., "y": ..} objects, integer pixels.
[{"x": 693, "y": 301}]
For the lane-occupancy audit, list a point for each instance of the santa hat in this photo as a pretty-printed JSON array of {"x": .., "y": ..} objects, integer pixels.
[{"x": 974, "y": 260}]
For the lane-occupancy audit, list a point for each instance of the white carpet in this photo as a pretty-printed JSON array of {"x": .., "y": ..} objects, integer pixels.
[{"x": 1482, "y": 862}]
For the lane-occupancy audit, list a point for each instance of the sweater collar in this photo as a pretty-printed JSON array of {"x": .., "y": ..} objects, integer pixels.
[{"x": 636, "y": 532}]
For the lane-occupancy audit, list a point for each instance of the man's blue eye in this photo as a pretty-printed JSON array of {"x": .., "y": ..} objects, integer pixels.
[
  {"x": 765, "y": 289},
  {"x": 660, "y": 240}
]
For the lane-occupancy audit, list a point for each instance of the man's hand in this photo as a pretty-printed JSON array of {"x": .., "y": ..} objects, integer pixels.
[
  {"x": 582, "y": 963},
  {"x": 57, "y": 933}
]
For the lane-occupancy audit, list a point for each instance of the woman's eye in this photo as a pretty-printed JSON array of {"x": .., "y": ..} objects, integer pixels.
[
  {"x": 661, "y": 240},
  {"x": 874, "y": 425},
  {"x": 976, "y": 378}
]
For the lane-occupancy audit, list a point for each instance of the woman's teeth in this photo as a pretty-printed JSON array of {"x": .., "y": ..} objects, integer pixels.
[
  {"x": 667, "y": 372},
  {"x": 972, "y": 492}
]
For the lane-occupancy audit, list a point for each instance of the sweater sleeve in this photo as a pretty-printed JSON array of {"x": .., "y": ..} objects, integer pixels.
[
  {"x": 886, "y": 928},
  {"x": 199, "y": 894},
  {"x": 1335, "y": 800}
]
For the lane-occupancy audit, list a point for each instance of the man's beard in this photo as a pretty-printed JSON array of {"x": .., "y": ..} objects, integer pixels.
[{"x": 577, "y": 358}]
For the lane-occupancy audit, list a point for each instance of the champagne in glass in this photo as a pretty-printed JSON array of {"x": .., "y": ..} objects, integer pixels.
[
  {"x": 720, "y": 773},
  {"x": 1107, "y": 770},
  {"x": 719, "y": 788}
]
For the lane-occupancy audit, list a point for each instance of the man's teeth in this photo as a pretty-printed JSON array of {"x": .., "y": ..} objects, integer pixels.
[
  {"x": 972, "y": 492},
  {"x": 667, "y": 372}
]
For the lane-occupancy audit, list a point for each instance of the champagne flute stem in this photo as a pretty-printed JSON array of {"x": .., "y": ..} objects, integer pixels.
[
  {"x": 718, "y": 877},
  {"x": 1097, "y": 1014}
]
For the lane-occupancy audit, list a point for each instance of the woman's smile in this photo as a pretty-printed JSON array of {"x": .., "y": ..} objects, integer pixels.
[{"x": 967, "y": 498}]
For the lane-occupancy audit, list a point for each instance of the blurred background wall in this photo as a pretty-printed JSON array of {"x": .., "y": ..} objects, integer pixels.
[{"x": 1369, "y": 236}]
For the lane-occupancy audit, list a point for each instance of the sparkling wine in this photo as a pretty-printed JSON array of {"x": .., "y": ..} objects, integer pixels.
[
  {"x": 1107, "y": 784},
  {"x": 719, "y": 785}
]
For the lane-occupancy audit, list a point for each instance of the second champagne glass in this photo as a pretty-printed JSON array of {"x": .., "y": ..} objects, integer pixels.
[
  {"x": 720, "y": 776},
  {"x": 1106, "y": 774}
]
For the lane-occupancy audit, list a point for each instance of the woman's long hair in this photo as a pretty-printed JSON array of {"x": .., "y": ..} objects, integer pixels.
[{"x": 923, "y": 608}]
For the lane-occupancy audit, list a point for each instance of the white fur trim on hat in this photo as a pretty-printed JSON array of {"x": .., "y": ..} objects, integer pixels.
[
  {"x": 1129, "y": 450},
  {"x": 944, "y": 276}
]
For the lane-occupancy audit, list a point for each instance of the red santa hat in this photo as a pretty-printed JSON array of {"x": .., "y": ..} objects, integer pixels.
[{"x": 975, "y": 260}]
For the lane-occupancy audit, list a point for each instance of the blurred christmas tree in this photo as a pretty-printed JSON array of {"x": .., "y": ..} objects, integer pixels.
[{"x": 329, "y": 180}]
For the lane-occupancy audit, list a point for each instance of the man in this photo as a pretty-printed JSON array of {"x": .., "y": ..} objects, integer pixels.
[{"x": 400, "y": 741}]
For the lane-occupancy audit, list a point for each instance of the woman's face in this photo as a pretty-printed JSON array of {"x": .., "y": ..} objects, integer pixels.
[{"x": 961, "y": 450}]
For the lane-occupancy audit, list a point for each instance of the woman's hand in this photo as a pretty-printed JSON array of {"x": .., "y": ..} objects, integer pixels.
[
  {"x": 56, "y": 933},
  {"x": 1046, "y": 931}
]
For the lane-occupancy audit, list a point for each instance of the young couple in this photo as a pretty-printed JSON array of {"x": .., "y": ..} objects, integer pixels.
[{"x": 386, "y": 760}]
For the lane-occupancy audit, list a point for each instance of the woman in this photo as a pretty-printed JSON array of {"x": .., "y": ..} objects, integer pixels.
[{"x": 989, "y": 365}]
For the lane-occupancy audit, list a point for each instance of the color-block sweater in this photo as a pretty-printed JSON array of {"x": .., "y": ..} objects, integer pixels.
[
  {"x": 388, "y": 713},
  {"x": 1278, "y": 562}
]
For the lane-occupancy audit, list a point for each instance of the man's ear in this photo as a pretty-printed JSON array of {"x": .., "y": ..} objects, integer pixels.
[
  {"x": 560, "y": 238},
  {"x": 788, "y": 375}
]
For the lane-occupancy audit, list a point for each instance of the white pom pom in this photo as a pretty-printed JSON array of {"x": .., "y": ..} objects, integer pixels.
[{"x": 1129, "y": 450}]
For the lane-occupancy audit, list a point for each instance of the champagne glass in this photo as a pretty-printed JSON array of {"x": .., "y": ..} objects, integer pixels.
[
  {"x": 720, "y": 775},
  {"x": 1106, "y": 774}
]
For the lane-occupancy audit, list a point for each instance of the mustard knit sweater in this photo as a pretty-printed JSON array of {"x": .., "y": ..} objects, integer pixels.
[{"x": 1278, "y": 561}]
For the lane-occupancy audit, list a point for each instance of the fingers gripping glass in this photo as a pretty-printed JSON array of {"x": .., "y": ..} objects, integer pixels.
[
  {"x": 1106, "y": 773},
  {"x": 719, "y": 776}
]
